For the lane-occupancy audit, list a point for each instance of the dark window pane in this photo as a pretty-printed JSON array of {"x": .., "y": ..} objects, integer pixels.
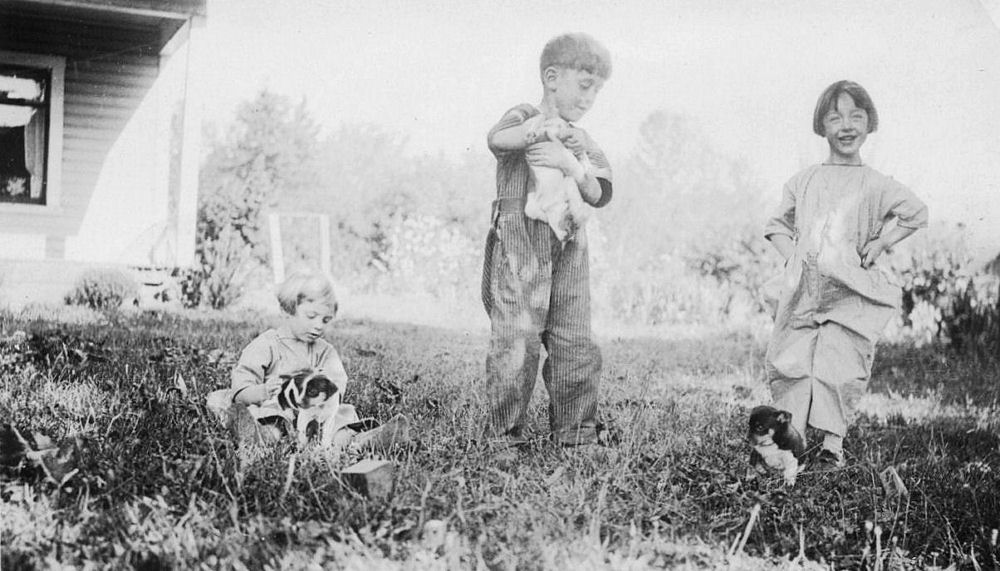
[{"x": 24, "y": 133}]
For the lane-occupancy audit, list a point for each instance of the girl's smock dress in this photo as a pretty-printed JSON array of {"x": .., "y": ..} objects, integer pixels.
[{"x": 830, "y": 310}]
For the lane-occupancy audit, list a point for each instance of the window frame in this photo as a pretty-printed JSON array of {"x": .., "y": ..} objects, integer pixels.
[{"x": 56, "y": 66}]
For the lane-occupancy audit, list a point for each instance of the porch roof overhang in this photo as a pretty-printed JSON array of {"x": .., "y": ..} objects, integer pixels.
[{"x": 156, "y": 21}]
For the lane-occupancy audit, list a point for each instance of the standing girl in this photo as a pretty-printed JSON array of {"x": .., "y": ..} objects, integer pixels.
[{"x": 832, "y": 226}]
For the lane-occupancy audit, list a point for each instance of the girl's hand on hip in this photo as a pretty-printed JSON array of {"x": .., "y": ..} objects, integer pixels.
[{"x": 871, "y": 252}]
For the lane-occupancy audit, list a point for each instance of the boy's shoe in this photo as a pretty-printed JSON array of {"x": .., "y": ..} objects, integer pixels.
[
  {"x": 506, "y": 442},
  {"x": 599, "y": 445},
  {"x": 608, "y": 435},
  {"x": 504, "y": 449},
  {"x": 593, "y": 451},
  {"x": 828, "y": 460},
  {"x": 602, "y": 435}
]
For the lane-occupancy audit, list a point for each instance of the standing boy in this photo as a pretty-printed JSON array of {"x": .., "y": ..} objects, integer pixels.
[{"x": 536, "y": 290}]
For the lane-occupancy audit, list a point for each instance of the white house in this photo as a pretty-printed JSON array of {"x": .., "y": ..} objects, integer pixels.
[{"x": 99, "y": 135}]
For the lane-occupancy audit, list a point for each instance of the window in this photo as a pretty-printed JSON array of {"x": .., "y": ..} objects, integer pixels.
[{"x": 30, "y": 128}]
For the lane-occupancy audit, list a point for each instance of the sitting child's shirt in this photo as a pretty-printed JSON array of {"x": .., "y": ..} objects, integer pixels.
[
  {"x": 277, "y": 352},
  {"x": 553, "y": 196}
]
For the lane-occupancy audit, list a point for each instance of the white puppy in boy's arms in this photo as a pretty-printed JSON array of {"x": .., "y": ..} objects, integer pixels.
[{"x": 555, "y": 197}]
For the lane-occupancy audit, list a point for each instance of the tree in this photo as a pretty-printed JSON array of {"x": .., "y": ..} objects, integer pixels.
[
  {"x": 683, "y": 203},
  {"x": 371, "y": 184},
  {"x": 270, "y": 150},
  {"x": 680, "y": 189}
]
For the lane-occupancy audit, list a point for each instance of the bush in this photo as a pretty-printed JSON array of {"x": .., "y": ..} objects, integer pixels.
[
  {"x": 427, "y": 254},
  {"x": 946, "y": 296},
  {"x": 742, "y": 264},
  {"x": 104, "y": 288},
  {"x": 220, "y": 273}
]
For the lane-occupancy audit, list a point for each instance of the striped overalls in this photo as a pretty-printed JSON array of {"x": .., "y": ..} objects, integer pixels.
[{"x": 537, "y": 292}]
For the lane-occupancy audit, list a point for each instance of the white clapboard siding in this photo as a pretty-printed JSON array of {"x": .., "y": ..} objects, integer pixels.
[{"x": 110, "y": 68}]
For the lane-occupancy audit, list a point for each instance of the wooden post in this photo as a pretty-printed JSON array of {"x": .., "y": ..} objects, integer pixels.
[
  {"x": 324, "y": 243},
  {"x": 277, "y": 256},
  {"x": 188, "y": 179}
]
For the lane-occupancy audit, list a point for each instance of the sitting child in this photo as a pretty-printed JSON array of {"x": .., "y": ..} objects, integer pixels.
[
  {"x": 252, "y": 406},
  {"x": 555, "y": 198}
]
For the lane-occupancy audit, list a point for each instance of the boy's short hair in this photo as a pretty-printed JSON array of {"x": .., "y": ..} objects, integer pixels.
[
  {"x": 305, "y": 285},
  {"x": 828, "y": 100},
  {"x": 576, "y": 51}
]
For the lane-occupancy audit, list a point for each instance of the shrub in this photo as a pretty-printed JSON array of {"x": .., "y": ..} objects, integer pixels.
[
  {"x": 104, "y": 288},
  {"x": 946, "y": 296},
  {"x": 219, "y": 276},
  {"x": 741, "y": 264},
  {"x": 267, "y": 152},
  {"x": 427, "y": 254}
]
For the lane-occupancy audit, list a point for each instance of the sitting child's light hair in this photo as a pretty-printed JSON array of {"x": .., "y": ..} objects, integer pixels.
[
  {"x": 305, "y": 285},
  {"x": 579, "y": 52},
  {"x": 828, "y": 101}
]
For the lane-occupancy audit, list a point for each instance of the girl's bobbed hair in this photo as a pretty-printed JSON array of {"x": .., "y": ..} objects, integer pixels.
[
  {"x": 828, "y": 100},
  {"x": 576, "y": 51},
  {"x": 305, "y": 285}
]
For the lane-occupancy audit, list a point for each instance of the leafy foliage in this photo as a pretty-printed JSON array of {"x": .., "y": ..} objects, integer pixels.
[
  {"x": 102, "y": 288},
  {"x": 429, "y": 254},
  {"x": 270, "y": 150},
  {"x": 685, "y": 233},
  {"x": 372, "y": 185},
  {"x": 408, "y": 222},
  {"x": 946, "y": 296},
  {"x": 681, "y": 243}
]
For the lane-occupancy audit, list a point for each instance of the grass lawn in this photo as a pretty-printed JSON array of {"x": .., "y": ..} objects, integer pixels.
[{"x": 160, "y": 484}]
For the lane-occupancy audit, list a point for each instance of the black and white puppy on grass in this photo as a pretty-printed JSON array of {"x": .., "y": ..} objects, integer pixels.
[
  {"x": 776, "y": 443},
  {"x": 313, "y": 398}
]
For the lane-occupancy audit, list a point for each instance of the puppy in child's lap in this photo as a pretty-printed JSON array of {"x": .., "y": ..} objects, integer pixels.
[
  {"x": 313, "y": 398},
  {"x": 775, "y": 443}
]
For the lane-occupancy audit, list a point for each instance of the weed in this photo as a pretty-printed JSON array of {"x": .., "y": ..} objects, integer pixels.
[{"x": 103, "y": 289}]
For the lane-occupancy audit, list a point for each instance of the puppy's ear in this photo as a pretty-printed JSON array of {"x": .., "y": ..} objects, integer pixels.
[
  {"x": 783, "y": 416},
  {"x": 326, "y": 385}
]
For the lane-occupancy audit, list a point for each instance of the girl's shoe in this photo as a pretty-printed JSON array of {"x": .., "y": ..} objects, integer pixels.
[
  {"x": 394, "y": 432},
  {"x": 828, "y": 460}
]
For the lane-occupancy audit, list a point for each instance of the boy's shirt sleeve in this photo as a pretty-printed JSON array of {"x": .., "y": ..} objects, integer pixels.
[
  {"x": 783, "y": 222},
  {"x": 512, "y": 118},
  {"x": 899, "y": 202},
  {"x": 600, "y": 167},
  {"x": 255, "y": 359}
]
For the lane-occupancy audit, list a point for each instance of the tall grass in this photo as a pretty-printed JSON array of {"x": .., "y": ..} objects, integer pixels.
[{"x": 162, "y": 486}]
